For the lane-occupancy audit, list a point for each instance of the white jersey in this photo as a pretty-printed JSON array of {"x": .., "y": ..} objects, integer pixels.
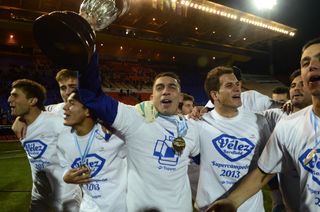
[
  {"x": 289, "y": 179},
  {"x": 252, "y": 101},
  {"x": 292, "y": 140},
  {"x": 273, "y": 116},
  {"x": 56, "y": 108},
  {"x": 157, "y": 177},
  {"x": 107, "y": 189},
  {"x": 40, "y": 145},
  {"x": 229, "y": 148}
]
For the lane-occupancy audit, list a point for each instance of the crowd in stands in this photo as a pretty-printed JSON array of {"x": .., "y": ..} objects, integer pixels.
[
  {"x": 128, "y": 82},
  {"x": 122, "y": 74}
]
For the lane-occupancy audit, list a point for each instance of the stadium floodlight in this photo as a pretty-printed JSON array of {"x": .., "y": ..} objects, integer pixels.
[{"x": 265, "y": 4}]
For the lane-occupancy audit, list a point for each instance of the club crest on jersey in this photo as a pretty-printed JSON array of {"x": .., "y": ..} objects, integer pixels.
[
  {"x": 233, "y": 148},
  {"x": 164, "y": 151},
  {"x": 93, "y": 161},
  {"x": 35, "y": 148},
  {"x": 313, "y": 166}
]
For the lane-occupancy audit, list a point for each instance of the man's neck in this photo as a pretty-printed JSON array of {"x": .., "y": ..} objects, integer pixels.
[
  {"x": 31, "y": 116},
  {"x": 227, "y": 112},
  {"x": 316, "y": 105},
  {"x": 296, "y": 109},
  {"x": 84, "y": 128}
]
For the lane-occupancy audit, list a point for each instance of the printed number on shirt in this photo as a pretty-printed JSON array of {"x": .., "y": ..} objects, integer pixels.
[
  {"x": 92, "y": 186},
  {"x": 228, "y": 173}
]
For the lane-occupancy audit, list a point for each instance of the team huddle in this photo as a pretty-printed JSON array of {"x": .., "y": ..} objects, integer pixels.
[{"x": 94, "y": 153}]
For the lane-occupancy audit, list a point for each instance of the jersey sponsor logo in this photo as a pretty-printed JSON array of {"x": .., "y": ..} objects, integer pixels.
[
  {"x": 313, "y": 166},
  {"x": 233, "y": 148},
  {"x": 35, "y": 148},
  {"x": 93, "y": 161},
  {"x": 164, "y": 151}
]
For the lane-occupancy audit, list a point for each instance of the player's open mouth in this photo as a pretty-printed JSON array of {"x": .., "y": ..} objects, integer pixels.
[
  {"x": 297, "y": 95},
  {"x": 314, "y": 79},
  {"x": 236, "y": 96},
  {"x": 166, "y": 101}
]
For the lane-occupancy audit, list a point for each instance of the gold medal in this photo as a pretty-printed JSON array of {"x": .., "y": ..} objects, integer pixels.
[
  {"x": 310, "y": 156},
  {"x": 178, "y": 145},
  {"x": 84, "y": 166}
]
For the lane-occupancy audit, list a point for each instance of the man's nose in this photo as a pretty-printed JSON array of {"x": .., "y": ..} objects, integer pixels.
[
  {"x": 314, "y": 65},
  {"x": 69, "y": 90},
  {"x": 166, "y": 90}
]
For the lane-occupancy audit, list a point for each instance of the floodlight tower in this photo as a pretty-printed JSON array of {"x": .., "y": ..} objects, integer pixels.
[{"x": 267, "y": 5}]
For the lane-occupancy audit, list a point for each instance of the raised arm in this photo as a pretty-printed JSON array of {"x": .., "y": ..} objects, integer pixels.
[
  {"x": 102, "y": 106},
  {"x": 250, "y": 185}
]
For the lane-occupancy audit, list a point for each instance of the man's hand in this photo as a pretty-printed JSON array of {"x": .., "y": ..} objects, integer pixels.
[
  {"x": 223, "y": 205},
  {"x": 287, "y": 107},
  {"x": 19, "y": 128},
  {"x": 197, "y": 112},
  {"x": 77, "y": 176}
]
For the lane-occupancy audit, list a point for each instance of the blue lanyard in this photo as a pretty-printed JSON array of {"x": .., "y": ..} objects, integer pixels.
[
  {"x": 314, "y": 122},
  {"x": 88, "y": 146},
  {"x": 181, "y": 124}
]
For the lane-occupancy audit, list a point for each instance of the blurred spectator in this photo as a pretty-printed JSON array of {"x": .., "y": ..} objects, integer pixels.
[
  {"x": 280, "y": 94},
  {"x": 186, "y": 106}
]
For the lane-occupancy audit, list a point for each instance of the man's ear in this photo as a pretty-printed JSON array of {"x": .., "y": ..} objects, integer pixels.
[
  {"x": 33, "y": 101},
  {"x": 181, "y": 97},
  {"x": 87, "y": 112},
  {"x": 214, "y": 94},
  {"x": 151, "y": 97}
]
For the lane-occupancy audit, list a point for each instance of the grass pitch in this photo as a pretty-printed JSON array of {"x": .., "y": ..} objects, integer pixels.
[
  {"x": 16, "y": 182},
  {"x": 15, "y": 178}
]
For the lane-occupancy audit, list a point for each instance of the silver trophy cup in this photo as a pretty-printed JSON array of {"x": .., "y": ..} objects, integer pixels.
[{"x": 68, "y": 38}]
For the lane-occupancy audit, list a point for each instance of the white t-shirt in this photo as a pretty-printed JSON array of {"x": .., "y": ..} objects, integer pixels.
[
  {"x": 252, "y": 101},
  {"x": 289, "y": 179},
  {"x": 40, "y": 145},
  {"x": 273, "y": 116},
  {"x": 107, "y": 189},
  {"x": 229, "y": 148},
  {"x": 56, "y": 108},
  {"x": 292, "y": 140},
  {"x": 157, "y": 177}
]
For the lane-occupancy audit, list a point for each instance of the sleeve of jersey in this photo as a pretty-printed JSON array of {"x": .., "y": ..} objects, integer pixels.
[
  {"x": 61, "y": 152},
  {"x": 196, "y": 149},
  {"x": 263, "y": 102},
  {"x": 102, "y": 106},
  {"x": 271, "y": 158}
]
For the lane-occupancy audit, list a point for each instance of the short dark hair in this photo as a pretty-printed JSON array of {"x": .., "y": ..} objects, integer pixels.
[
  {"x": 32, "y": 89},
  {"x": 167, "y": 74},
  {"x": 186, "y": 97},
  {"x": 212, "y": 82},
  {"x": 280, "y": 90},
  {"x": 65, "y": 74},
  {"x": 76, "y": 96},
  {"x": 311, "y": 42},
  {"x": 237, "y": 71},
  {"x": 294, "y": 74}
]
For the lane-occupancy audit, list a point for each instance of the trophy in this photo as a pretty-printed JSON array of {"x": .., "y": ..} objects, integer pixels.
[{"x": 68, "y": 38}]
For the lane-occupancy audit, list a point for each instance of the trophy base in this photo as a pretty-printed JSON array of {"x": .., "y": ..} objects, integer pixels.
[{"x": 65, "y": 38}]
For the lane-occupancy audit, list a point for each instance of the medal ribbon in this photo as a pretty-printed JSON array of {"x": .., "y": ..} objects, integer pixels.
[
  {"x": 181, "y": 124},
  {"x": 88, "y": 146}
]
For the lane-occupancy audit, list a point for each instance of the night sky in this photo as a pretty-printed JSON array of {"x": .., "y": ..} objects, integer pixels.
[{"x": 304, "y": 15}]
